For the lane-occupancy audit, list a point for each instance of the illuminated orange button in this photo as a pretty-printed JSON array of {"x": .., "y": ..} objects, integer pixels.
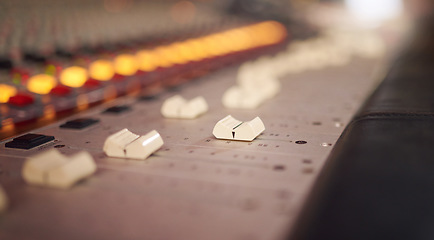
[
  {"x": 126, "y": 64},
  {"x": 160, "y": 58},
  {"x": 172, "y": 54},
  {"x": 73, "y": 76},
  {"x": 269, "y": 32},
  {"x": 41, "y": 83},
  {"x": 197, "y": 48},
  {"x": 101, "y": 70},
  {"x": 146, "y": 60},
  {"x": 6, "y": 92}
]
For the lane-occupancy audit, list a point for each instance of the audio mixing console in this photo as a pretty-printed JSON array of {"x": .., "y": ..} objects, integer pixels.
[
  {"x": 195, "y": 186},
  {"x": 82, "y": 175}
]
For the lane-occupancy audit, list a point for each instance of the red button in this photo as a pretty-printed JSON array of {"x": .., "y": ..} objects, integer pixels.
[
  {"x": 118, "y": 77},
  {"x": 21, "y": 100},
  {"x": 140, "y": 73},
  {"x": 92, "y": 83},
  {"x": 60, "y": 91}
]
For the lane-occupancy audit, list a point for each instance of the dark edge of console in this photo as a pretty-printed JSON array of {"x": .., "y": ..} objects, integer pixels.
[{"x": 378, "y": 182}]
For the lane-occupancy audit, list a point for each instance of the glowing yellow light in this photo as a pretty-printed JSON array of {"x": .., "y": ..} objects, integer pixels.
[
  {"x": 213, "y": 46},
  {"x": 173, "y": 54},
  {"x": 195, "y": 49},
  {"x": 6, "y": 92},
  {"x": 198, "y": 49},
  {"x": 126, "y": 64},
  {"x": 240, "y": 39},
  {"x": 224, "y": 43},
  {"x": 101, "y": 70},
  {"x": 182, "y": 52},
  {"x": 73, "y": 76},
  {"x": 160, "y": 57},
  {"x": 276, "y": 31},
  {"x": 185, "y": 51},
  {"x": 41, "y": 83},
  {"x": 269, "y": 32},
  {"x": 146, "y": 60}
]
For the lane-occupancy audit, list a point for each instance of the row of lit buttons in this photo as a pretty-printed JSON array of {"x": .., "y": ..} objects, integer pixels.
[{"x": 178, "y": 53}]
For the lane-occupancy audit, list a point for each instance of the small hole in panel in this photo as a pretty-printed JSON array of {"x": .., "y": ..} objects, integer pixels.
[
  {"x": 307, "y": 170},
  {"x": 279, "y": 167},
  {"x": 300, "y": 142},
  {"x": 307, "y": 161}
]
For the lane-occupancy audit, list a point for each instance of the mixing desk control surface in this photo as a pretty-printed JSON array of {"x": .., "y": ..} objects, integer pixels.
[{"x": 195, "y": 186}]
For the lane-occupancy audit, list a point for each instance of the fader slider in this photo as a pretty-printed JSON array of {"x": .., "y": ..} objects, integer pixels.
[
  {"x": 52, "y": 169},
  {"x": 125, "y": 144},
  {"x": 232, "y": 129},
  {"x": 255, "y": 85},
  {"x": 178, "y": 107}
]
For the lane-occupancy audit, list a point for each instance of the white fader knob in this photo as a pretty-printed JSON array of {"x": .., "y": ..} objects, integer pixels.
[
  {"x": 255, "y": 85},
  {"x": 241, "y": 98},
  {"x": 265, "y": 86},
  {"x": 171, "y": 106},
  {"x": 178, "y": 107},
  {"x": 52, "y": 169},
  {"x": 77, "y": 167},
  {"x": 125, "y": 144},
  {"x": 232, "y": 129},
  {"x": 3, "y": 200}
]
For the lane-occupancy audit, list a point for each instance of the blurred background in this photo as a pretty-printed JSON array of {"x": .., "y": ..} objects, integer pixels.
[{"x": 45, "y": 37}]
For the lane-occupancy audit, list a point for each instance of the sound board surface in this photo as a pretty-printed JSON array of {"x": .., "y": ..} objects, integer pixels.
[{"x": 195, "y": 186}]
